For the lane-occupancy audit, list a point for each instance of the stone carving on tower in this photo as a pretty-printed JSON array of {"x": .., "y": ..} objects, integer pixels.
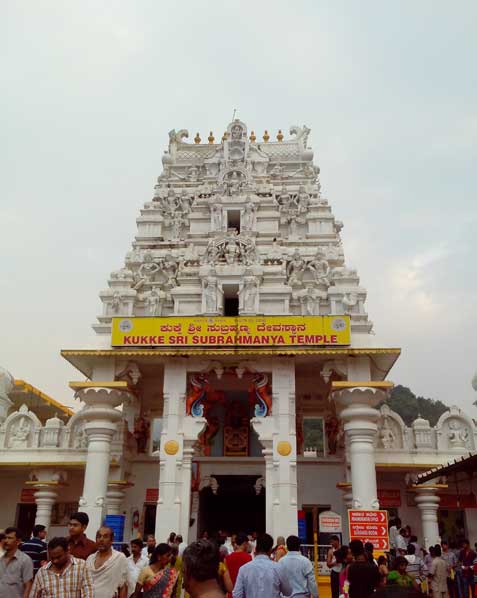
[{"x": 238, "y": 217}]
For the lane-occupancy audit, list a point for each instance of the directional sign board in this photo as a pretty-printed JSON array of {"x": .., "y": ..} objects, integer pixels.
[{"x": 369, "y": 526}]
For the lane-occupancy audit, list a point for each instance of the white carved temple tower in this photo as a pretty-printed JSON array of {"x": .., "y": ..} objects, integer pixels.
[{"x": 236, "y": 228}]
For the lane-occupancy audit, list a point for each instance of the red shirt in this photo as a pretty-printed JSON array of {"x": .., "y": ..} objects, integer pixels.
[
  {"x": 82, "y": 548},
  {"x": 234, "y": 561}
]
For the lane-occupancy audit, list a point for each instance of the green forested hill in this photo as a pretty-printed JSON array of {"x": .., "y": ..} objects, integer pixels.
[{"x": 409, "y": 407}]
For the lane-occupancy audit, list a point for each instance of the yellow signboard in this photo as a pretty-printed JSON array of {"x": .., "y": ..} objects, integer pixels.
[{"x": 242, "y": 331}]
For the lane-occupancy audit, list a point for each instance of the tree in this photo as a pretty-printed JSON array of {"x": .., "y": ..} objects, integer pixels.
[{"x": 409, "y": 407}]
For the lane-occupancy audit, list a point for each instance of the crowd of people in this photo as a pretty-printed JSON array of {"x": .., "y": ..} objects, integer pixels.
[
  {"x": 236, "y": 566},
  {"x": 443, "y": 571}
]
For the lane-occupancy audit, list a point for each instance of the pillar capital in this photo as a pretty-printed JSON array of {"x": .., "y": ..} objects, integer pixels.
[
  {"x": 47, "y": 484},
  {"x": 427, "y": 500},
  {"x": 100, "y": 404},
  {"x": 358, "y": 395},
  {"x": 115, "y": 495}
]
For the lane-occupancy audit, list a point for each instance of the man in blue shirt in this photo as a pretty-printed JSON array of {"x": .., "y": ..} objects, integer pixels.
[
  {"x": 36, "y": 547},
  {"x": 261, "y": 578},
  {"x": 298, "y": 570}
]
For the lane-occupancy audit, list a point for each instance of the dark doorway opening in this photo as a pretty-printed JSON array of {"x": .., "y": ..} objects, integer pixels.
[
  {"x": 149, "y": 519},
  {"x": 235, "y": 508},
  {"x": 233, "y": 219},
  {"x": 231, "y": 299},
  {"x": 25, "y": 518}
]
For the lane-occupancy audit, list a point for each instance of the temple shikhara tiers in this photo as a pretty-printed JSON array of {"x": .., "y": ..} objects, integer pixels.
[{"x": 235, "y": 382}]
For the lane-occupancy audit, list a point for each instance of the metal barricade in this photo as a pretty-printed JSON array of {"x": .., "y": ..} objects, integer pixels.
[{"x": 308, "y": 550}]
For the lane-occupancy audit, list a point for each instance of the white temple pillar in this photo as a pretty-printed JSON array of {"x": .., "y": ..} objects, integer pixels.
[
  {"x": 277, "y": 434},
  {"x": 46, "y": 483},
  {"x": 269, "y": 477},
  {"x": 179, "y": 432},
  {"x": 101, "y": 418},
  {"x": 360, "y": 427},
  {"x": 186, "y": 498},
  {"x": 114, "y": 498},
  {"x": 427, "y": 501},
  {"x": 45, "y": 498}
]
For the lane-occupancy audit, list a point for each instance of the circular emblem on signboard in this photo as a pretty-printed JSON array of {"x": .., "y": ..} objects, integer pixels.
[
  {"x": 338, "y": 324},
  {"x": 171, "y": 447},
  {"x": 125, "y": 325},
  {"x": 284, "y": 448}
]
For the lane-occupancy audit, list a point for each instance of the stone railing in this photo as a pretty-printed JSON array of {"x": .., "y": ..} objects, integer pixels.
[{"x": 23, "y": 431}]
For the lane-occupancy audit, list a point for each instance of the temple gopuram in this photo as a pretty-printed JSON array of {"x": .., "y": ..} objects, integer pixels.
[{"x": 236, "y": 382}]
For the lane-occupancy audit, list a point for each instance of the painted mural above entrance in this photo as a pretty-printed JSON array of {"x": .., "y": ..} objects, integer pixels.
[{"x": 286, "y": 331}]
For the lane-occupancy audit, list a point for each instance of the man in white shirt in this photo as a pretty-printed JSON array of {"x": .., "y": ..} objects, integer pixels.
[
  {"x": 135, "y": 562},
  {"x": 181, "y": 545},
  {"x": 401, "y": 544},
  {"x": 298, "y": 570},
  {"x": 108, "y": 567},
  {"x": 394, "y": 531},
  {"x": 150, "y": 545}
]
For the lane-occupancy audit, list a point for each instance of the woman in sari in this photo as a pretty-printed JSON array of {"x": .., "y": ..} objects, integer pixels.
[{"x": 157, "y": 580}]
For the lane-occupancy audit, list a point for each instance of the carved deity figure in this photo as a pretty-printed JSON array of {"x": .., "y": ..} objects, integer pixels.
[
  {"x": 319, "y": 268},
  {"x": 169, "y": 268},
  {"x": 232, "y": 252},
  {"x": 295, "y": 269},
  {"x": 147, "y": 270},
  {"x": 458, "y": 435},
  {"x": 155, "y": 302},
  {"x": 21, "y": 433},
  {"x": 80, "y": 440},
  {"x": 248, "y": 217},
  {"x": 303, "y": 199},
  {"x": 349, "y": 301},
  {"x": 178, "y": 222},
  {"x": 193, "y": 174},
  {"x": 386, "y": 435},
  {"x": 116, "y": 302},
  {"x": 249, "y": 293},
  {"x": 310, "y": 300},
  {"x": 293, "y": 220},
  {"x": 236, "y": 133},
  {"x": 211, "y": 294},
  {"x": 217, "y": 217},
  {"x": 249, "y": 251}
]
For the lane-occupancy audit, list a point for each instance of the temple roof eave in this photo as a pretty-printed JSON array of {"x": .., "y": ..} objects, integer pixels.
[
  {"x": 382, "y": 358},
  {"x": 23, "y": 392}
]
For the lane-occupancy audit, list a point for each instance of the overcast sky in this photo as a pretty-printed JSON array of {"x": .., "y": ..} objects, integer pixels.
[{"x": 90, "y": 90}]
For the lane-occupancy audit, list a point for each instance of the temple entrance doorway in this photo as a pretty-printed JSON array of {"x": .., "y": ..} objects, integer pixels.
[{"x": 237, "y": 506}]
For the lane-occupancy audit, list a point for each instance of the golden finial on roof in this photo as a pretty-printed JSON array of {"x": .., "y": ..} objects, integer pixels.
[
  {"x": 266, "y": 136},
  {"x": 252, "y": 137},
  {"x": 280, "y": 135},
  {"x": 211, "y": 138},
  {"x": 224, "y": 136},
  {"x": 197, "y": 138}
]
